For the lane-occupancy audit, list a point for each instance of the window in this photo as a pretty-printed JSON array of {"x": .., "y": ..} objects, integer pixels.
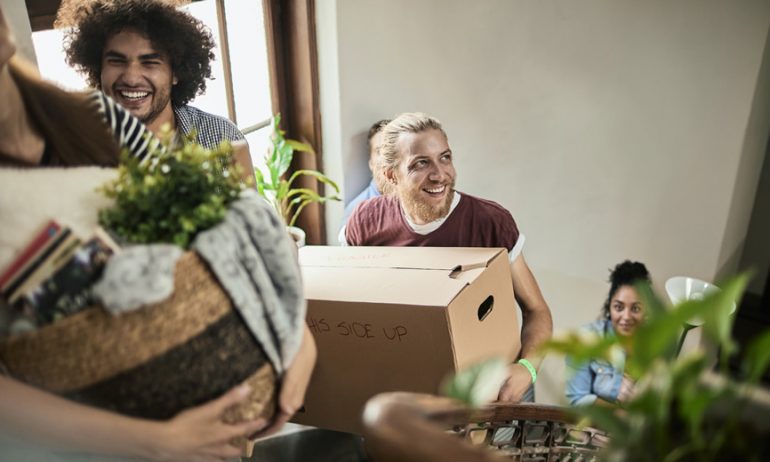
[
  {"x": 263, "y": 44},
  {"x": 240, "y": 89}
]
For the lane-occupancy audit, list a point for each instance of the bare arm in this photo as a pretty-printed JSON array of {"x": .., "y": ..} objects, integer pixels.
[
  {"x": 536, "y": 328},
  {"x": 197, "y": 434},
  {"x": 537, "y": 325},
  {"x": 242, "y": 158},
  {"x": 295, "y": 383}
]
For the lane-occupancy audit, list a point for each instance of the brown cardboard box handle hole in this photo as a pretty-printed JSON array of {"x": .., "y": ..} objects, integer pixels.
[{"x": 486, "y": 307}]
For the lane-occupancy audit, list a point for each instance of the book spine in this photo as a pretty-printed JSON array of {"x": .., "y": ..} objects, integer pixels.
[
  {"x": 45, "y": 234},
  {"x": 17, "y": 282},
  {"x": 58, "y": 258},
  {"x": 69, "y": 289}
]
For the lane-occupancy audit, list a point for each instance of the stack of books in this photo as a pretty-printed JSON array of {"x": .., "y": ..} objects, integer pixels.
[{"x": 52, "y": 276}]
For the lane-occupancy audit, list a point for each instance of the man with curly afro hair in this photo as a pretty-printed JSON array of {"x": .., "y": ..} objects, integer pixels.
[{"x": 150, "y": 57}]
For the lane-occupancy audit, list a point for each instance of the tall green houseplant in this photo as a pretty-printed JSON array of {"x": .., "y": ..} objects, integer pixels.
[{"x": 273, "y": 186}]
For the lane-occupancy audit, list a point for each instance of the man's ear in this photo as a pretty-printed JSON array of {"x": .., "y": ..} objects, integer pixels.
[
  {"x": 390, "y": 175},
  {"x": 174, "y": 81}
]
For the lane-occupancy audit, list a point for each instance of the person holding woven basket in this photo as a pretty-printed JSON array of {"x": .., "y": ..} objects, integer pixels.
[
  {"x": 35, "y": 420},
  {"x": 600, "y": 380}
]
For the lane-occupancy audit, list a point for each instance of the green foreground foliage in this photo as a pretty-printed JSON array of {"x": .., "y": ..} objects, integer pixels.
[{"x": 172, "y": 195}]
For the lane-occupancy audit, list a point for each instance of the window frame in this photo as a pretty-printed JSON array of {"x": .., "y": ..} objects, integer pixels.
[{"x": 293, "y": 62}]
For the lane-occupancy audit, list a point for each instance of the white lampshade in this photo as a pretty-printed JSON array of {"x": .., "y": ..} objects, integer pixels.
[{"x": 681, "y": 288}]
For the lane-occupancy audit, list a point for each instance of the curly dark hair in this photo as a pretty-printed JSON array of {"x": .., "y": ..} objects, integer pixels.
[
  {"x": 185, "y": 40},
  {"x": 627, "y": 273}
]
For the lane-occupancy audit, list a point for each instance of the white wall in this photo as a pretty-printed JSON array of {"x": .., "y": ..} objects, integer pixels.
[{"x": 610, "y": 129}]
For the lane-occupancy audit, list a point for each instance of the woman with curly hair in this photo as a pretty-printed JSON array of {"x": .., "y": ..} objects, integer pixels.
[
  {"x": 599, "y": 381},
  {"x": 151, "y": 58}
]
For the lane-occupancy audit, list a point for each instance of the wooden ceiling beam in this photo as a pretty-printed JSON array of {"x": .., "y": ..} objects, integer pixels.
[{"x": 42, "y": 13}]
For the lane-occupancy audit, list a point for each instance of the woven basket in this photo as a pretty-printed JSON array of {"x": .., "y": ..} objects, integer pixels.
[
  {"x": 153, "y": 362},
  {"x": 406, "y": 427}
]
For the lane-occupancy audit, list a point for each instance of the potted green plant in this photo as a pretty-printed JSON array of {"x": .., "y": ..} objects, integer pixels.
[
  {"x": 288, "y": 201},
  {"x": 682, "y": 410},
  {"x": 173, "y": 195}
]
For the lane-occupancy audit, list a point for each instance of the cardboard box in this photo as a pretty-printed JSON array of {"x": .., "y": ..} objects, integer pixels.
[{"x": 400, "y": 318}]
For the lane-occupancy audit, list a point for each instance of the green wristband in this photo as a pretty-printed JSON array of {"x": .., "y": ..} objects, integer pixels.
[{"x": 530, "y": 368}]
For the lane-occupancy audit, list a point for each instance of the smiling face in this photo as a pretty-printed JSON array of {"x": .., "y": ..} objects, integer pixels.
[
  {"x": 425, "y": 176},
  {"x": 626, "y": 310},
  {"x": 138, "y": 77}
]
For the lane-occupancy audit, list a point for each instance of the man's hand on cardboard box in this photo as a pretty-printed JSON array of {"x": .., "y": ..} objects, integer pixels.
[
  {"x": 295, "y": 382},
  {"x": 519, "y": 380}
]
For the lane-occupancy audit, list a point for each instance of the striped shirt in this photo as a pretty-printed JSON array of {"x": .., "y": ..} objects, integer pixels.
[
  {"x": 129, "y": 132},
  {"x": 132, "y": 134}
]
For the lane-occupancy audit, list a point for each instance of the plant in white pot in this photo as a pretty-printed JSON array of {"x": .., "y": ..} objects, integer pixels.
[{"x": 273, "y": 186}]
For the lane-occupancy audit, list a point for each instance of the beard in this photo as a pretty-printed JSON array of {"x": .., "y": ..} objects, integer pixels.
[
  {"x": 159, "y": 101},
  {"x": 426, "y": 213}
]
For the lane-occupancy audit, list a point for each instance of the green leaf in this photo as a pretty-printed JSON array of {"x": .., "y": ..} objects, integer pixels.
[
  {"x": 283, "y": 190},
  {"x": 478, "y": 384},
  {"x": 306, "y": 202},
  {"x": 298, "y": 210},
  {"x": 317, "y": 175},
  {"x": 260, "y": 181},
  {"x": 718, "y": 309},
  {"x": 299, "y": 146},
  {"x": 302, "y": 192},
  {"x": 757, "y": 357},
  {"x": 287, "y": 201},
  {"x": 659, "y": 336},
  {"x": 285, "y": 156}
]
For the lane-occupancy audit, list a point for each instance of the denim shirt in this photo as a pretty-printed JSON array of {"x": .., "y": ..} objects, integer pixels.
[
  {"x": 368, "y": 193},
  {"x": 597, "y": 378}
]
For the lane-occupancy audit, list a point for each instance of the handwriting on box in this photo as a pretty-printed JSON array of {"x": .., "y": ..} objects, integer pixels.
[
  {"x": 357, "y": 329},
  {"x": 361, "y": 257}
]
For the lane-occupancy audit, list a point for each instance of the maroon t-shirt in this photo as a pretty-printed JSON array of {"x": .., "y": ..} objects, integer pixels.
[{"x": 473, "y": 223}]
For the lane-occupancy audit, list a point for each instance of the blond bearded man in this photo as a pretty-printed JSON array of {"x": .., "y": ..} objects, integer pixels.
[{"x": 424, "y": 209}]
